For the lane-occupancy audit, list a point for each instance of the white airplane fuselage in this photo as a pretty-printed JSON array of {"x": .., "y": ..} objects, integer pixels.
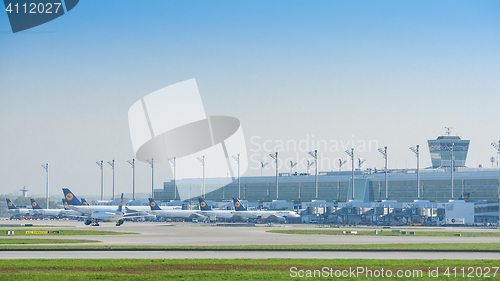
[{"x": 107, "y": 215}]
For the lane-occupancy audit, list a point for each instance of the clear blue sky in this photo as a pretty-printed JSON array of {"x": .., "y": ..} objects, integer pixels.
[{"x": 392, "y": 72}]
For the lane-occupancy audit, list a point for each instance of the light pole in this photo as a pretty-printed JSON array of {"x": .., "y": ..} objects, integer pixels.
[
  {"x": 132, "y": 163},
  {"x": 175, "y": 187},
  {"x": 416, "y": 150},
  {"x": 262, "y": 165},
  {"x": 309, "y": 164},
  {"x": 102, "y": 182},
  {"x": 292, "y": 165},
  {"x": 360, "y": 162},
  {"x": 112, "y": 164},
  {"x": 237, "y": 159},
  {"x": 275, "y": 157},
  {"x": 384, "y": 154},
  {"x": 341, "y": 163},
  {"x": 351, "y": 154},
  {"x": 314, "y": 155},
  {"x": 152, "y": 163},
  {"x": 46, "y": 167},
  {"x": 497, "y": 147},
  {"x": 202, "y": 160},
  {"x": 452, "y": 166}
]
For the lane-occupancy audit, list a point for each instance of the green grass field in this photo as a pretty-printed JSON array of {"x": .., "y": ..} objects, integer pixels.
[
  {"x": 239, "y": 269},
  {"x": 44, "y": 241},
  {"x": 387, "y": 232},
  {"x": 22, "y": 232},
  {"x": 394, "y": 246}
]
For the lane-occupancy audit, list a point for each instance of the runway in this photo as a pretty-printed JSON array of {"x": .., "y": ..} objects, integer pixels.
[{"x": 191, "y": 234}]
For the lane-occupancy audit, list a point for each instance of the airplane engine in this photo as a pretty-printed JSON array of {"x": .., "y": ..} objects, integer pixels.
[{"x": 87, "y": 222}]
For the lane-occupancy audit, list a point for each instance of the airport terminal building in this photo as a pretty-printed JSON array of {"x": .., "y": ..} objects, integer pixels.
[{"x": 469, "y": 184}]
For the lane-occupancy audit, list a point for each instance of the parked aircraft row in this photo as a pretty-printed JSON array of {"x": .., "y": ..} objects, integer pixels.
[{"x": 94, "y": 214}]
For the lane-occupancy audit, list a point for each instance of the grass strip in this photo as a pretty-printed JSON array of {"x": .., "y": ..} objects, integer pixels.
[
  {"x": 44, "y": 241},
  {"x": 22, "y": 232},
  {"x": 226, "y": 269},
  {"x": 338, "y": 247},
  {"x": 387, "y": 233}
]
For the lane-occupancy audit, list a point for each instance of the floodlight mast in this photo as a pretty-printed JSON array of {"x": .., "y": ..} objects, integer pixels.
[
  {"x": 237, "y": 159},
  {"x": 384, "y": 154},
  {"x": 202, "y": 160},
  {"x": 309, "y": 164},
  {"x": 102, "y": 182},
  {"x": 46, "y": 167},
  {"x": 112, "y": 164},
  {"x": 497, "y": 147},
  {"x": 416, "y": 150},
  {"x": 275, "y": 157},
  {"x": 351, "y": 154},
  {"x": 314, "y": 154},
  {"x": 132, "y": 163},
  {"x": 452, "y": 166},
  {"x": 172, "y": 161},
  {"x": 152, "y": 163},
  {"x": 341, "y": 163},
  {"x": 360, "y": 162},
  {"x": 262, "y": 165},
  {"x": 292, "y": 165}
]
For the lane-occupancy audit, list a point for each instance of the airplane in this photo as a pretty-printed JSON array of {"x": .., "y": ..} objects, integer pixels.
[
  {"x": 106, "y": 216},
  {"x": 85, "y": 202},
  {"x": 207, "y": 211},
  {"x": 266, "y": 215},
  {"x": 75, "y": 204},
  {"x": 15, "y": 210},
  {"x": 37, "y": 210},
  {"x": 175, "y": 213}
]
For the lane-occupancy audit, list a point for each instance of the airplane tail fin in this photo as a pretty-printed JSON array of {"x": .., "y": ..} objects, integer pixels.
[
  {"x": 11, "y": 205},
  {"x": 71, "y": 198},
  {"x": 84, "y": 202},
  {"x": 121, "y": 204},
  {"x": 203, "y": 205},
  {"x": 35, "y": 205},
  {"x": 238, "y": 206},
  {"x": 153, "y": 205}
]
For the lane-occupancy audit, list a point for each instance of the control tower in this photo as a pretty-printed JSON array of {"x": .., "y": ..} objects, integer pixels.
[{"x": 440, "y": 150}]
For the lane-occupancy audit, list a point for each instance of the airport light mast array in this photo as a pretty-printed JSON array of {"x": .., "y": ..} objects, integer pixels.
[
  {"x": 262, "y": 165},
  {"x": 351, "y": 154},
  {"x": 384, "y": 154},
  {"x": 237, "y": 159},
  {"x": 202, "y": 160},
  {"x": 172, "y": 161},
  {"x": 152, "y": 163},
  {"x": 132, "y": 163},
  {"x": 451, "y": 148},
  {"x": 102, "y": 176},
  {"x": 341, "y": 163},
  {"x": 112, "y": 164},
  {"x": 314, "y": 155},
  {"x": 46, "y": 167},
  {"x": 416, "y": 150},
  {"x": 292, "y": 165},
  {"x": 360, "y": 162},
  {"x": 275, "y": 157},
  {"x": 497, "y": 147}
]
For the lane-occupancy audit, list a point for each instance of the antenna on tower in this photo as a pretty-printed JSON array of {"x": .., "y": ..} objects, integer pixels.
[
  {"x": 24, "y": 191},
  {"x": 448, "y": 130}
]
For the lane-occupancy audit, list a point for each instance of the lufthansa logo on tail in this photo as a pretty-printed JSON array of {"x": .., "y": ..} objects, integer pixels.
[
  {"x": 237, "y": 204},
  {"x": 69, "y": 196},
  {"x": 65, "y": 203},
  {"x": 85, "y": 203},
  {"x": 153, "y": 204},
  {"x": 33, "y": 204},
  {"x": 10, "y": 204},
  {"x": 203, "y": 204}
]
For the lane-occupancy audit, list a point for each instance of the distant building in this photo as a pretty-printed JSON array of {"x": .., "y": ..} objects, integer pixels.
[{"x": 440, "y": 150}]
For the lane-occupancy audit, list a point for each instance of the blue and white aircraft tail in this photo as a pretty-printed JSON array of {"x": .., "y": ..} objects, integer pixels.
[
  {"x": 11, "y": 205},
  {"x": 238, "y": 206},
  {"x": 203, "y": 205},
  {"x": 153, "y": 205},
  {"x": 35, "y": 205},
  {"x": 71, "y": 198}
]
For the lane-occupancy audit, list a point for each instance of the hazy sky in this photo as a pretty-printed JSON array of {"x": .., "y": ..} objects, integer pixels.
[{"x": 391, "y": 73}]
